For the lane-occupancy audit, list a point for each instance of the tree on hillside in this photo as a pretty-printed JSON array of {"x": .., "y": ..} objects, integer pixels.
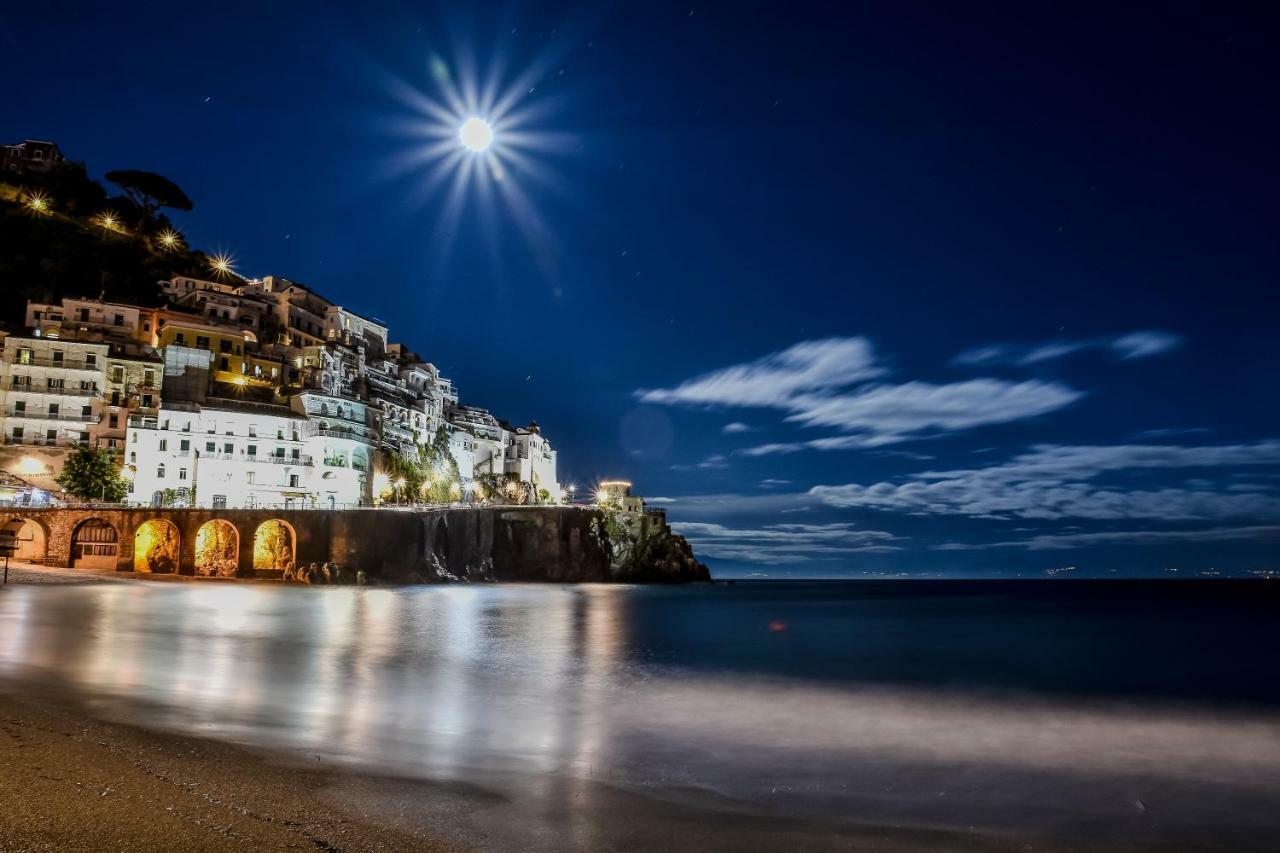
[
  {"x": 150, "y": 191},
  {"x": 92, "y": 475}
]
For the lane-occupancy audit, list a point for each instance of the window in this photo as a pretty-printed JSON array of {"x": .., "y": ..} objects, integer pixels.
[
  {"x": 160, "y": 471},
  {"x": 133, "y": 437},
  {"x": 19, "y": 407},
  {"x": 86, "y": 385},
  {"x": 84, "y": 438},
  {"x": 182, "y": 473},
  {"x": 164, "y": 444},
  {"x": 224, "y": 346},
  {"x": 22, "y": 382},
  {"x": 55, "y": 384},
  {"x": 248, "y": 477},
  {"x": 86, "y": 411},
  {"x": 184, "y": 445},
  {"x": 295, "y": 453},
  {"x": 149, "y": 377},
  {"x": 118, "y": 320},
  {"x": 210, "y": 447},
  {"x": 146, "y": 401},
  {"x": 253, "y": 450},
  {"x": 180, "y": 339},
  {"x": 117, "y": 373},
  {"x": 293, "y": 480},
  {"x": 228, "y": 448},
  {"x": 53, "y": 410},
  {"x": 202, "y": 342},
  {"x": 219, "y": 501},
  {"x": 25, "y": 356},
  {"x": 51, "y": 435},
  {"x": 113, "y": 421},
  {"x": 17, "y": 432},
  {"x": 90, "y": 360},
  {"x": 133, "y": 458},
  {"x": 223, "y": 365},
  {"x": 57, "y": 357},
  {"x": 115, "y": 398},
  {"x": 253, "y": 430}
]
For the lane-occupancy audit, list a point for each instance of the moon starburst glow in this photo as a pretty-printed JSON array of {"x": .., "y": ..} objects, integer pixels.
[{"x": 480, "y": 143}]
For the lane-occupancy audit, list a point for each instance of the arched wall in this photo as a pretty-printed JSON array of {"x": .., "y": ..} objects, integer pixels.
[
  {"x": 275, "y": 545},
  {"x": 30, "y": 538},
  {"x": 95, "y": 544},
  {"x": 157, "y": 546},
  {"x": 217, "y": 549}
]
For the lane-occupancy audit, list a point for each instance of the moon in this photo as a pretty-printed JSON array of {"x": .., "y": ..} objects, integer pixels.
[{"x": 475, "y": 134}]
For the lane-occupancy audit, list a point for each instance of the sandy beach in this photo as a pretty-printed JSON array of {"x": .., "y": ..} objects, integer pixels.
[{"x": 69, "y": 781}]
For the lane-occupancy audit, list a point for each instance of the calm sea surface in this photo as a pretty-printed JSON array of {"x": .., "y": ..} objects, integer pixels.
[{"x": 1092, "y": 711}]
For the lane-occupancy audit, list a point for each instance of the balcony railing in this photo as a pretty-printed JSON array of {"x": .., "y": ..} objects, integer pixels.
[
  {"x": 47, "y": 361},
  {"x": 344, "y": 432},
  {"x": 61, "y": 391},
  {"x": 45, "y": 442},
  {"x": 45, "y": 416}
]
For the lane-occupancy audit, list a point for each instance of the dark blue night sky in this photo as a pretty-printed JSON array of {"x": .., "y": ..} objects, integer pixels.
[{"x": 889, "y": 288}]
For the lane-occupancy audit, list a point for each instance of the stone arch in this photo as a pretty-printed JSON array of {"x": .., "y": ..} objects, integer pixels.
[
  {"x": 275, "y": 545},
  {"x": 217, "y": 549},
  {"x": 95, "y": 544},
  {"x": 156, "y": 546},
  {"x": 30, "y": 539}
]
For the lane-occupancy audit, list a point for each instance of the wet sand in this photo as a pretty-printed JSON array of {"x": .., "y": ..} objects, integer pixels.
[{"x": 69, "y": 781}]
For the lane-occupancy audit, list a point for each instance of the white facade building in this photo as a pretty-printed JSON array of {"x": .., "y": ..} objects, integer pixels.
[{"x": 252, "y": 455}]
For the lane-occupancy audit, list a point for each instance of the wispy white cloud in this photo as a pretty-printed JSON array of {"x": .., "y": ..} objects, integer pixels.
[
  {"x": 1139, "y": 344},
  {"x": 1053, "y": 482},
  {"x": 715, "y": 460},
  {"x": 1169, "y": 432},
  {"x": 806, "y": 367},
  {"x": 784, "y": 543},
  {"x": 773, "y": 483},
  {"x": 828, "y": 383},
  {"x": 737, "y": 427},
  {"x": 1144, "y": 344},
  {"x": 1067, "y": 541}
]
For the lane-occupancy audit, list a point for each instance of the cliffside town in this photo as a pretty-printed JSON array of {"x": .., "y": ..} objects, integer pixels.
[{"x": 243, "y": 393}]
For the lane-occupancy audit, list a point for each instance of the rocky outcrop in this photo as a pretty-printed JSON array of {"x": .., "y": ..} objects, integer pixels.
[{"x": 559, "y": 544}]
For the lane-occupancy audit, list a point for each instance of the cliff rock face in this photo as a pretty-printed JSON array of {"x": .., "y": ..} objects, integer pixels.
[{"x": 559, "y": 544}]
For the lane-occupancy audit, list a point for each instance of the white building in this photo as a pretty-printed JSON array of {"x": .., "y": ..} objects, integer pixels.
[
  {"x": 238, "y": 455},
  {"x": 49, "y": 390},
  {"x": 341, "y": 436}
]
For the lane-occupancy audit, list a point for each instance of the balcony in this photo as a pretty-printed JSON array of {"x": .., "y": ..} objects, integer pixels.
[
  {"x": 304, "y": 461},
  {"x": 63, "y": 391},
  {"x": 29, "y": 415},
  {"x": 347, "y": 433},
  {"x": 66, "y": 363}
]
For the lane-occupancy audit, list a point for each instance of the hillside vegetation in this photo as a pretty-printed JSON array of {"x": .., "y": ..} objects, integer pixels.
[{"x": 64, "y": 234}]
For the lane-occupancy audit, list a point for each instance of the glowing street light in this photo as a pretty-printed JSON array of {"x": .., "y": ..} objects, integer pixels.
[
  {"x": 222, "y": 265},
  {"x": 38, "y": 202},
  {"x": 108, "y": 220},
  {"x": 169, "y": 239},
  {"x": 475, "y": 134}
]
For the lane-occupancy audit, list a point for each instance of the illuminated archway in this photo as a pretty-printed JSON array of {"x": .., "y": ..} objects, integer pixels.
[
  {"x": 29, "y": 538},
  {"x": 274, "y": 545},
  {"x": 95, "y": 544},
  {"x": 217, "y": 549},
  {"x": 155, "y": 547}
]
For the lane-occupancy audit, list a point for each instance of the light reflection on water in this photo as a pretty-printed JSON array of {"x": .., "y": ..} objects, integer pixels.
[{"x": 462, "y": 682}]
